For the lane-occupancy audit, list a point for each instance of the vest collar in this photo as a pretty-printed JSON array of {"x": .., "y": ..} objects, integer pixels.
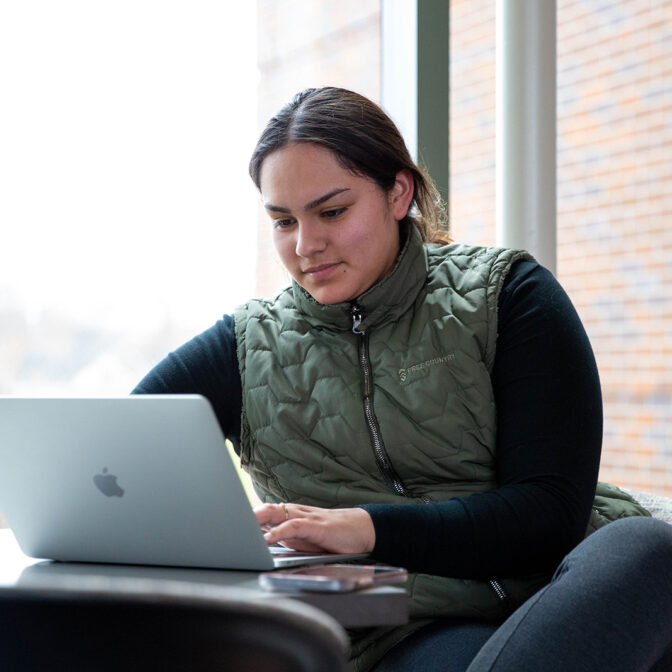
[{"x": 386, "y": 301}]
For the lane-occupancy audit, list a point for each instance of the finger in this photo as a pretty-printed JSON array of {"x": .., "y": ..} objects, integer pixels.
[
  {"x": 281, "y": 532},
  {"x": 270, "y": 514},
  {"x": 292, "y": 531}
]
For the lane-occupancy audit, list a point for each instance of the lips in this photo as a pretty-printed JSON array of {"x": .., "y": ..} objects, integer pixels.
[{"x": 322, "y": 271}]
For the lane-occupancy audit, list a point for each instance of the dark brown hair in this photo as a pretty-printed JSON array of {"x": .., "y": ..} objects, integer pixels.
[{"x": 363, "y": 139}]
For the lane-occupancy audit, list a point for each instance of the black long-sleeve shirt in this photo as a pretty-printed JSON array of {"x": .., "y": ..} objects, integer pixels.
[{"x": 549, "y": 432}]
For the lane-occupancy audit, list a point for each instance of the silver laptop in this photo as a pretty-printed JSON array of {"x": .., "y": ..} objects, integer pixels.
[{"x": 143, "y": 479}]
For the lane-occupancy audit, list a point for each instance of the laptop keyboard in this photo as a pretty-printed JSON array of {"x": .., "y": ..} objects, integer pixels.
[{"x": 283, "y": 552}]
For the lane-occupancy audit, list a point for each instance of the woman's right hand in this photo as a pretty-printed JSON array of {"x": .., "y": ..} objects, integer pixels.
[{"x": 314, "y": 529}]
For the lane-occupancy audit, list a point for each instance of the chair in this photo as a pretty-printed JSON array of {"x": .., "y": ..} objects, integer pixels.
[{"x": 131, "y": 625}]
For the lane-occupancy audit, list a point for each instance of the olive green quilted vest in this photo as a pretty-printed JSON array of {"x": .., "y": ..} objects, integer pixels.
[
  {"x": 379, "y": 400},
  {"x": 384, "y": 399}
]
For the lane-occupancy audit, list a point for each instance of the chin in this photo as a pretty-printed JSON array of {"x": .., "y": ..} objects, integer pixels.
[{"x": 329, "y": 296}]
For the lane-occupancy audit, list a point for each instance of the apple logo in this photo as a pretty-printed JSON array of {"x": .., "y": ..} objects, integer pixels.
[{"x": 107, "y": 484}]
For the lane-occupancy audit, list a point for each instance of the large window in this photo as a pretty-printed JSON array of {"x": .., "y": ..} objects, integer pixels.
[{"x": 128, "y": 221}]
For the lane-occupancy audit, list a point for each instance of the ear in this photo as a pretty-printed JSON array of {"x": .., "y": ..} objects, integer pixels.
[{"x": 401, "y": 194}]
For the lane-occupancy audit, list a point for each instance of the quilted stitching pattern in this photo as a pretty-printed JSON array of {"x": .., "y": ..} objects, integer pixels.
[{"x": 305, "y": 435}]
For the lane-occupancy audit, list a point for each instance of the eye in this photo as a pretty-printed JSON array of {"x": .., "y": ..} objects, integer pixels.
[
  {"x": 282, "y": 223},
  {"x": 333, "y": 213}
]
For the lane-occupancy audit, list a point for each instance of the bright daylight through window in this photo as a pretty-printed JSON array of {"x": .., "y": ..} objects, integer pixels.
[{"x": 125, "y": 132}]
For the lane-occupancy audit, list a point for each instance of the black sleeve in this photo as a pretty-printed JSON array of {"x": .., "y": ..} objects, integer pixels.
[
  {"x": 549, "y": 433},
  {"x": 207, "y": 365}
]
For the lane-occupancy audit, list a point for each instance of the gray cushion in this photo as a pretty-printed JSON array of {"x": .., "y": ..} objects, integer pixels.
[{"x": 659, "y": 505}]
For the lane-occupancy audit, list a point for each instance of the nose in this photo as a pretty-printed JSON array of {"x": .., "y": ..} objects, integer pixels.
[{"x": 310, "y": 239}]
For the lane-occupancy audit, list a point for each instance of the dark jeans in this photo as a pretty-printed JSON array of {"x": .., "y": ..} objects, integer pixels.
[{"x": 608, "y": 607}]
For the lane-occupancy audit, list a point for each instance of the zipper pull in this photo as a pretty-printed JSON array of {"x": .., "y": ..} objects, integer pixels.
[{"x": 356, "y": 318}]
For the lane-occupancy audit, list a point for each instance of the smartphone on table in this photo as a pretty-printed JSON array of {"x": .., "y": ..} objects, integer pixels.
[{"x": 331, "y": 578}]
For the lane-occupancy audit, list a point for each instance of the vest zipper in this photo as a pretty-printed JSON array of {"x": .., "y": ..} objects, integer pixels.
[{"x": 377, "y": 444}]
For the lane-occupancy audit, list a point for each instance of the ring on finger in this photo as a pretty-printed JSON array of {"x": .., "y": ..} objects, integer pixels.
[{"x": 284, "y": 508}]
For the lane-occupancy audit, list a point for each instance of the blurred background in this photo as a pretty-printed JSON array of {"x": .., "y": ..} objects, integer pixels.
[{"x": 128, "y": 222}]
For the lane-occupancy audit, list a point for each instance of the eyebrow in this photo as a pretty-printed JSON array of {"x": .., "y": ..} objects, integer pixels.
[{"x": 308, "y": 206}]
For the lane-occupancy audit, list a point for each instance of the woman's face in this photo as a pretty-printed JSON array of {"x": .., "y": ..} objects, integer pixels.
[{"x": 336, "y": 233}]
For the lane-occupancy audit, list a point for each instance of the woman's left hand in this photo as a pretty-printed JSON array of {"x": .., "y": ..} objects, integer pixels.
[{"x": 313, "y": 529}]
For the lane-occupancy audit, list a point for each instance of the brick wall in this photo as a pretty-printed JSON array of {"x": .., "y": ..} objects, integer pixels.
[
  {"x": 614, "y": 197},
  {"x": 614, "y": 201}
]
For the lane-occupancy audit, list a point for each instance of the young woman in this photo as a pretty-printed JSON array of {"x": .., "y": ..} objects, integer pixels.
[{"x": 435, "y": 405}]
